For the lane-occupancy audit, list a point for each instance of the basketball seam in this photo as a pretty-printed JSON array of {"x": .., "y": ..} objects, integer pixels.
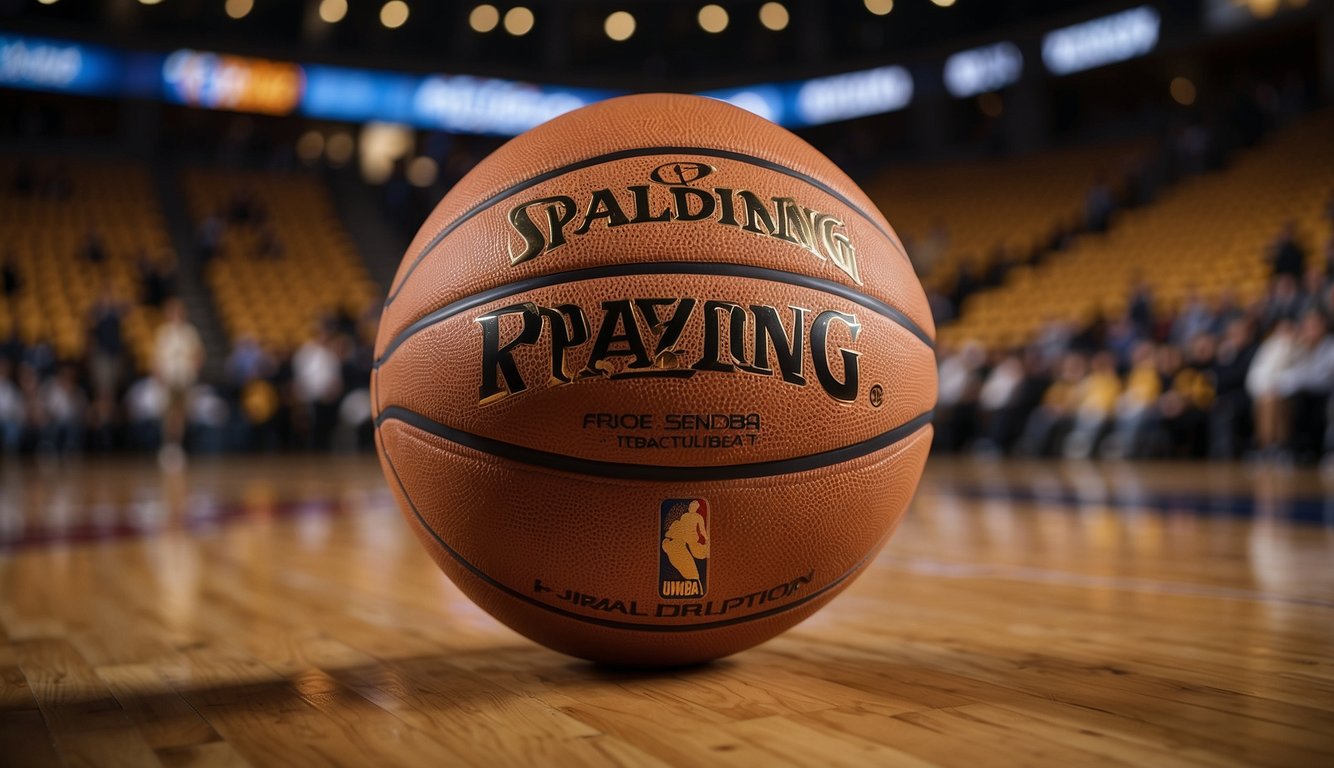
[
  {"x": 609, "y": 623},
  {"x": 719, "y": 269},
  {"x": 651, "y": 472},
  {"x": 625, "y": 154}
]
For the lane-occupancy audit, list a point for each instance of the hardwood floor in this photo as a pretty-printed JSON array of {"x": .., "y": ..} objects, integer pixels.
[{"x": 278, "y": 612}]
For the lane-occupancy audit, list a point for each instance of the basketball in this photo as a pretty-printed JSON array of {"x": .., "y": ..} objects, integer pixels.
[{"x": 654, "y": 381}]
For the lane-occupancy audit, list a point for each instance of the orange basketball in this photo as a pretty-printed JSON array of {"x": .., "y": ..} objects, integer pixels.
[{"x": 654, "y": 381}]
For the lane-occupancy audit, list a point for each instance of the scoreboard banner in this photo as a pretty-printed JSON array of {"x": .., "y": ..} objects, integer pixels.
[{"x": 470, "y": 104}]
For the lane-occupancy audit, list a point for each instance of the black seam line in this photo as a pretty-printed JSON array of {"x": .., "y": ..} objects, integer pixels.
[
  {"x": 663, "y": 472},
  {"x": 624, "y": 154},
  {"x": 657, "y": 268},
  {"x": 610, "y": 623}
]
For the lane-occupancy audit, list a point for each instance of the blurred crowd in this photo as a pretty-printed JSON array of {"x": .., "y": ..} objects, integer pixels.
[
  {"x": 1212, "y": 379},
  {"x": 313, "y": 397}
]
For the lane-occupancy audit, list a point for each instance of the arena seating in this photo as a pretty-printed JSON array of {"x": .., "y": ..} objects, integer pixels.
[
  {"x": 1016, "y": 203},
  {"x": 1209, "y": 235},
  {"x": 49, "y": 206},
  {"x": 284, "y": 261}
]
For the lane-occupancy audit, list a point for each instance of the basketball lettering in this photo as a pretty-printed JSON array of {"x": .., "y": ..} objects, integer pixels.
[
  {"x": 545, "y": 224},
  {"x": 639, "y": 338}
]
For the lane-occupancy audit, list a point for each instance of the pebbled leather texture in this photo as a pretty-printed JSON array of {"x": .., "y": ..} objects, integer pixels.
[{"x": 572, "y": 559}]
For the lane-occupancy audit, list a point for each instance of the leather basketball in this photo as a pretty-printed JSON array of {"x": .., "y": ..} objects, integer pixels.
[{"x": 654, "y": 381}]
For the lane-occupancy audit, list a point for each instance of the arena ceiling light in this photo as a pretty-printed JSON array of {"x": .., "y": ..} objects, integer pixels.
[
  {"x": 422, "y": 171},
  {"x": 332, "y": 11},
  {"x": 712, "y": 18},
  {"x": 619, "y": 26},
  {"x": 394, "y": 14},
  {"x": 339, "y": 148},
  {"x": 1104, "y": 40},
  {"x": 47, "y": 2},
  {"x": 239, "y": 9},
  {"x": 149, "y": 2},
  {"x": 774, "y": 16},
  {"x": 879, "y": 7},
  {"x": 484, "y": 18},
  {"x": 1182, "y": 90},
  {"x": 519, "y": 21},
  {"x": 943, "y": 3},
  {"x": 310, "y": 146},
  {"x": 978, "y": 70}
]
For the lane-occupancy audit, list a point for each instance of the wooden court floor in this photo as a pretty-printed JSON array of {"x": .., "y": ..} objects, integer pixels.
[{"x": 278, "y": 612}]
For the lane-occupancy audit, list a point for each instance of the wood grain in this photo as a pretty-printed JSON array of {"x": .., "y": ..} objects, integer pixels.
[{"x": 279, "y": 612}]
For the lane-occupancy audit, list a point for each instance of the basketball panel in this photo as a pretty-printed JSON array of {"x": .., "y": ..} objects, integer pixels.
[
  {"x": 587, "y": 549},
  {"x": 672, "y": 390}
]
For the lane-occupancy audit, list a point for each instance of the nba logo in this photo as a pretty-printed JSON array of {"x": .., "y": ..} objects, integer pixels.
[{"x": 683, "y": 559}]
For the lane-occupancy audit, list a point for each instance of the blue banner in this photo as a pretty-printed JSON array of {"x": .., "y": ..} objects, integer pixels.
[
  {"x": 42, "y": 64},
  {"x": 455, "y": 103},
  {"x": 825, "y": 99}
]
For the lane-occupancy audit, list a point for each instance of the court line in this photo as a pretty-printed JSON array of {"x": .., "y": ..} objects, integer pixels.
[{"x": 956, "y": 570}]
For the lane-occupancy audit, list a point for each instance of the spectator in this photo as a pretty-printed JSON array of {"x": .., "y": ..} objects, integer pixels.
[
  {"x": 1284, "y": 303},
  {"x": 965, "y": 285},
  {"x": 1194, "y": 319},
  {"x": 1286, "y": 255},
  {"x": 1187, "y": 395},
  {"x": 998, "y": 394},
  {"x": 248, "y": 361},
  {"x": 106, "y": 351},
  {"x": 1229, "y": 417},
  {"x": 1141, "y": 309},
  {"x": 1307, "y": 383},
  {"x": 1050, "y": 422},
  {"x": 1122, "y": 340},
  {"x": 10, "y": 279},
  {"x": 1032, "y": 389},
  {"x": 999, "y": 264},
  {"x": 268, "y": 245},
  {"x": 1272, "y": 359},
  {"x": 1092, "y": 334},
  {"x": 244, "y": 209},
  {"x": 260, "y": 409},
  {"x": 1094, "y": 398},
  {"x": 318, "y": 385},
  {"x": 178, "y": 355},
  {"x": 156, "y": 281},
  {"x": 1225, "y": 312},
  {"x": 63, "y": 404},
  {"x": 1098, "y": 205},
  {"x": 1053, "y": 340},
  {"x": 145, "y": 407},
  {"x": 11, "y": 410},
  {"x": 1135, "y": 406},
  {"x": 208, "y": 237},
  {"x": 33, "y": 404},
  {"x": 93, "y": 250},
  {"x": 1312, "y": 295}
]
